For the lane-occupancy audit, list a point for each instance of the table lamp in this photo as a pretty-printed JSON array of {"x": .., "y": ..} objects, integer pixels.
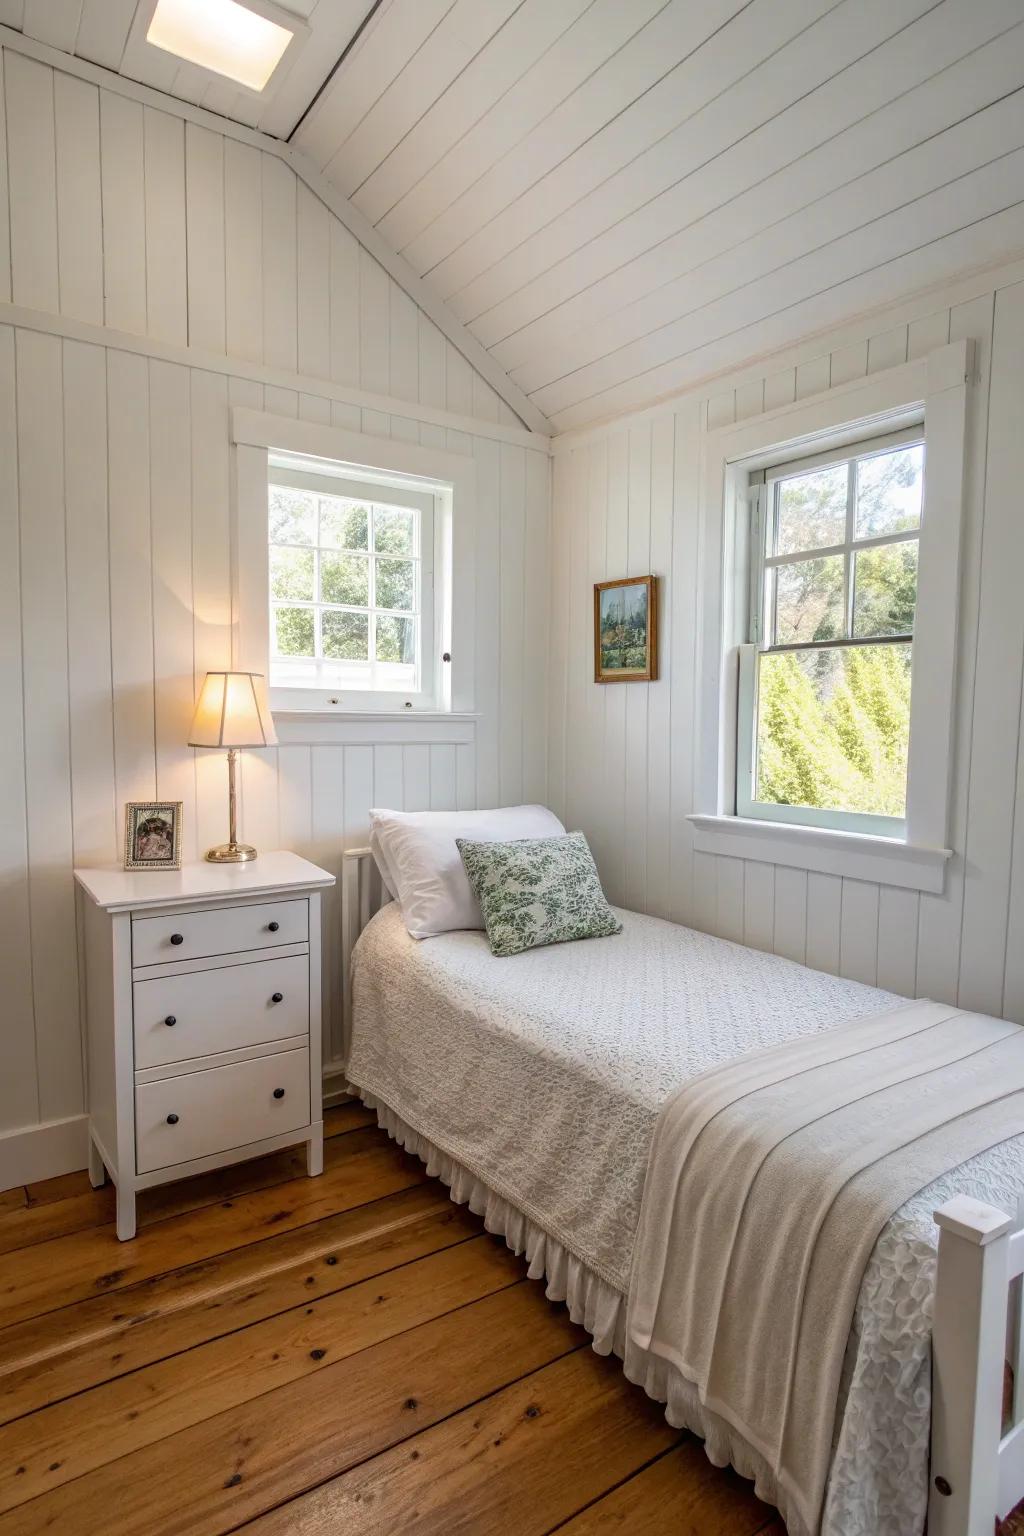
[{"x": 232, "y": 712}]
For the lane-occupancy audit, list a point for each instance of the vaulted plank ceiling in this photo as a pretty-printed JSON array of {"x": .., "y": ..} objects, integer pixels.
[{"x": 621, "y": 197}]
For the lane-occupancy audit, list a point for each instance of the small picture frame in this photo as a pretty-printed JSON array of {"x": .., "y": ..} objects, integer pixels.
[
  {"x": 152, "y": 834},
  {"x": 626, "y": 630}
]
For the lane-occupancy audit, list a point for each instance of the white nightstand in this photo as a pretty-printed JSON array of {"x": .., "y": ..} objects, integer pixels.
[{"x": 203, "y": 1000}]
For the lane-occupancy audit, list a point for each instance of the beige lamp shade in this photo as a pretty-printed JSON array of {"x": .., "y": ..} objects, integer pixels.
[{"x": 233, "y": 711}]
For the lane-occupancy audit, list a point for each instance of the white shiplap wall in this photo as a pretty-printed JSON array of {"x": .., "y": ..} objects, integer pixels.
[
  {"x": 621, "y": 758},
  {"x": 115, "y": 469}
]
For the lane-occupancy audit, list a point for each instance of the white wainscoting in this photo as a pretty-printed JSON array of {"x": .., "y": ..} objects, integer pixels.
[
  {"x": 115, "y": 509},
  {"x": 622, "y": 758}
]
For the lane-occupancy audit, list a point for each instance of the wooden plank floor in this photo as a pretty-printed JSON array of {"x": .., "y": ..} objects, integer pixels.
[{"x": 295, "y": 1357}]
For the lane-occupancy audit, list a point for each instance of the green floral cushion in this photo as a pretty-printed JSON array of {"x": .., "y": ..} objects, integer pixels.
[{"x": 537, "y": 890}]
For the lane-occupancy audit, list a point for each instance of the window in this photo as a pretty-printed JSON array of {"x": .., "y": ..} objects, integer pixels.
[
  {"x": 825, "y": 684},
  {"x": 351, "y": 568}
]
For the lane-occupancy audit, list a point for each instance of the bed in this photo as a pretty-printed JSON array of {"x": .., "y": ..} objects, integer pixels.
[{"x": 579, "y": 1045}]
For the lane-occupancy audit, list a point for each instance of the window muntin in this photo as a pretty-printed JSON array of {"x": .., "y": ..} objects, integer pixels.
[
  {"x": 351, "y": 587},
  {"x": 825, "y": 689}
]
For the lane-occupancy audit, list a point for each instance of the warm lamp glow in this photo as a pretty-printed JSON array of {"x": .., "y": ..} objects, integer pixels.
[
  {"x": 233, "y": 711},
  {"x": 220, "y": 35}
]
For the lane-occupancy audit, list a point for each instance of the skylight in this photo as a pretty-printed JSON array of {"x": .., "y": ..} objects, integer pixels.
[{"x": 222, "y": 36}]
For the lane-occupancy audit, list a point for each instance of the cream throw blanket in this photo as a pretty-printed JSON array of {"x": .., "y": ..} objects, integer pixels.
[{"x": 769, "y": 1181}]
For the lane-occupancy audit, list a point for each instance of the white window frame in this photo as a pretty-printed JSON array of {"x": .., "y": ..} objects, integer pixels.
[
  {"x": 933, "y": 389},
  {"x": 451, "y": 480},
  {"x": 328, "y": 478},
  {"x": 764, "y": 499}
]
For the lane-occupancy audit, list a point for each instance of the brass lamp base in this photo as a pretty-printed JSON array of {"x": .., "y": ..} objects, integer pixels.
[{"x": 231, "y": 853}]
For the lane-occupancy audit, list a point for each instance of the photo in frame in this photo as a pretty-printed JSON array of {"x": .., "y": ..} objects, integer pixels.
[
  {"x": 152, "y": 834},
  {"x": 626, "y": 630}
]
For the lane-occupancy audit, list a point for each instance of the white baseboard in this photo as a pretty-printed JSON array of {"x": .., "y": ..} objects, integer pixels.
[
  {"x": 43, "y": 1151},
  {"x": 335, "y": 1086}
]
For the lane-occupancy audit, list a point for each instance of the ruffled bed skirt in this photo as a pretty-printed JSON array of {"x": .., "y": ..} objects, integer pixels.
[{"x": 595, "y": 1305}]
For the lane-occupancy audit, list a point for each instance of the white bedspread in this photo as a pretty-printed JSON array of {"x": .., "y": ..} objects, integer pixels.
[{"x": 544, "y": 1074}]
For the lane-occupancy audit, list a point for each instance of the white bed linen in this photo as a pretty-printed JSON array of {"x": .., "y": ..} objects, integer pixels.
[{"x": 542, "y": 1076}]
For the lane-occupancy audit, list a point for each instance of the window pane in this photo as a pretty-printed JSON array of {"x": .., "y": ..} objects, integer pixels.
[
  {"x": 812, "y": 510},
  {"x": 392, "y": 531},
  {"x": 396, "y": 584},
  {"x": 345, "y": 636},
  {"x": 291, "y": 574},
  {"x": 294, "y": 632},
  {"x": 292, "y": 516},
  {"x": 889, "y": 492},
  {"x": 833, "y": 728},
  {"x": 885, "y": 589},
  {"x": 345, "y": 579},
  {"x": 809, "y": 601},
  {"x": 396, "y": 639},
  {"x": 343, "y": 524}
]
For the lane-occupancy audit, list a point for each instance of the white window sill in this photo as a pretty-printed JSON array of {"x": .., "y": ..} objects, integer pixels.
[
  {"x": 853, "y": 854},
  {"x": 309, "y": 727}
]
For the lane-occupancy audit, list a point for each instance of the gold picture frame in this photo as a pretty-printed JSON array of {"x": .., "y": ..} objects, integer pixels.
[
  {"x": 626, "y": 630},
  {"x": 152, "y": 834}
]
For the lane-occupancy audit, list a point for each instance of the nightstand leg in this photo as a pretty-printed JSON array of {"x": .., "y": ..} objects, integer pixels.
[
  {"x": 125, "y": 1214},
  {"x": 97, "y": 1172},
  {"x": 315, "y": 1153}
]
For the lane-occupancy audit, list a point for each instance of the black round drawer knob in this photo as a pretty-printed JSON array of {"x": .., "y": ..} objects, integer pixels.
[
  {"x": 278, "y": 1093},
  {"x": 177, "y": 938},
  {"x": 273, "y": 927},
  {"x": 170, "y": 1020},
  {"x": 172, "y": 1119},
  {"x": 277, "y": 997}
]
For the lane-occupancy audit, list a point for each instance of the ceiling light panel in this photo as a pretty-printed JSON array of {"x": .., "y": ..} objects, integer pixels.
[{"x": 222, "y": 36}]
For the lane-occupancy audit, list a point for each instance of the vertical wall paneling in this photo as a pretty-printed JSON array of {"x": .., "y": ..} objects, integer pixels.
[
  {"x": 90, "y": 687},
  {"x": 374, "y": 325},
  {"x": 170, "y": 490},
  {"x": 211, "y": 579},
  {"x": 243, "y": 251},
  {"x": 488, "y": 610},
  {"x": 124, "y": 212},
  {"x": 76, "y": 108},
  {"x": 997, "y": 690},
  {"x": 5, "y": 212},
  {"x": 40, "y": 460},
  {"x": 790, "y": 936},
  {"x": 616, "y": 694},
  {"x": 957, "y": 945},
  {"x": 759, "y": 905},
  {"x": 116, "y": 486},
  {"x": 18, "y": 1081},
  {"x": 729, "y": 912},
  {"x": 313, "y": 277},
  {"x": 166, "y": 264},
  {"x": 536, "y": 621},
  {"x": 131, "y": 588},
  {"x": 205, "y": 211},
  {"x": 511, "y": 626},
  {"x": 940, "y": 918},
  {"x": 279, "y": 264},
  {"x": 344, "y": 316},
  {"x": 32, "y": 182},
  {"x": 638, "y": 563},
  {"x": 824, "y": 912}
]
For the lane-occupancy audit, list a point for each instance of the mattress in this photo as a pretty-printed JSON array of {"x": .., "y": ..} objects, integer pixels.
[{"x": 544, "y": 1074}]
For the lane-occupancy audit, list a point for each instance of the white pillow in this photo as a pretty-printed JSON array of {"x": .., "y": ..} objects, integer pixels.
[{"x": 416, "y": 854}]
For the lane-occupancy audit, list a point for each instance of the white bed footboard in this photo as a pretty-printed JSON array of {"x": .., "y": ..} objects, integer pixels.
[{"x": 977, "y": 1473}]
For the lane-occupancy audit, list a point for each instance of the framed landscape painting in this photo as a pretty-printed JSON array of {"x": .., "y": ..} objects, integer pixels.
[{"x": 626, "y": 630}]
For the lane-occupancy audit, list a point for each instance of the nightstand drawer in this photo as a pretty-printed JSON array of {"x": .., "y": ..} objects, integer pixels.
[
  {"x": 180, "y": 1118},
  {"x": 218, "y": 931},
  {"x": 203, "y": 1012}
]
